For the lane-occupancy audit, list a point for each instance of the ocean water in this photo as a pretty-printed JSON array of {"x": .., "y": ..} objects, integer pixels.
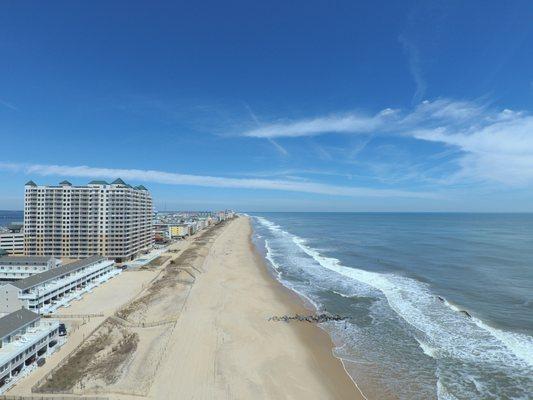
[
  {"x": 403, "y": 281},
  {"x": 8, "y": 217}
]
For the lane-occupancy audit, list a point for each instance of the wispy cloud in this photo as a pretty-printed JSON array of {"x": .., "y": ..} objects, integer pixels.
[
  {"x": 8, "y": 105},
  {"x": 344, "y": 123},
  {"x": 500, "y": 150},
  {"x": 278, "y": 147},
  {"x": 281, "y": 150},
  {"x": 491, "y": 145},
  {"x": 426, "y": 113},
  {"x": 413, "y": 56},
  {"x": 172, "y": 178}
]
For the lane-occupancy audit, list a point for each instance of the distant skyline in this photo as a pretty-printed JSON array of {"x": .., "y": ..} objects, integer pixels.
[{"x": 275, "y": 106}]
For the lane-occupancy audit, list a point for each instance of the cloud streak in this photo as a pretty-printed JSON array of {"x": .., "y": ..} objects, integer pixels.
[
  {"x": 8, "y": 105},
  {"x": 347, "y": 123},
  {"x": 172, "y": 178},
  {"x": 413, "y": 55}
]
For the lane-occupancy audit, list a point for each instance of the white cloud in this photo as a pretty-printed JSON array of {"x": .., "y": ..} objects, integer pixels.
[
  {"x": 499, "y": 151},
  {"x": 349, "y": 123},
  {"x": 208, "y": 181},
  {"x": 493, "y": 145}
]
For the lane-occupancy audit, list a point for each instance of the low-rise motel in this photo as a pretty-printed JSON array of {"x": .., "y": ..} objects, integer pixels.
[
  {"x": 45, "y": 292},
  {"x": 24, "y": 339},
  {"x": 15, "y": 268}
]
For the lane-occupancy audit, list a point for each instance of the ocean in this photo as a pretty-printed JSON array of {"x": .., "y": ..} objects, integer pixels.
[
  {"x": 439, "y": 306},
  {"x": 8, "y": 217}
]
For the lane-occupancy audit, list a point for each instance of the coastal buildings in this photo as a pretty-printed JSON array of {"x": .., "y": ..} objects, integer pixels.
[
  {"x": 14, "y": 268},
  {"x": 178, "y": 225},
  {"x": 179, "y": 231},
  {"x": 49, "y": 290},
  {"x": 24, "y": 338},
  {"x": 110, "y": 219},
  {"x": 12, "y": 240}
]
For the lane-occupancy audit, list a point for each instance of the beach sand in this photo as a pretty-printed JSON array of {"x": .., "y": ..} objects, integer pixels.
[
  {"x": 218, "y": 295},
  {"x": 224, "y": 347}
]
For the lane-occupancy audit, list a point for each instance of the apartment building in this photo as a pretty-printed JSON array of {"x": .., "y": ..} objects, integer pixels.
[
  {"x": 14, "y": 268},
  {"x": 12, "y": 240},
  {"x": 109, "y": 219}
]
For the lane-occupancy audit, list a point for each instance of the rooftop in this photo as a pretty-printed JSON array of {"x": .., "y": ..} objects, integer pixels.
[
  {"x": 55, "y": 273},
  {"x": 27, "y": 260},
  {"x": 117, "y": 181},
  {"x": 16, "y": 320}
]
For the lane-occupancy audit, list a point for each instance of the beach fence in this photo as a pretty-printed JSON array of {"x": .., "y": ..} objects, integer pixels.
[
  {"x": 130, "y": 324},
  {"x": 52, "y": 398},
  {"x": 74, "y": 316}
]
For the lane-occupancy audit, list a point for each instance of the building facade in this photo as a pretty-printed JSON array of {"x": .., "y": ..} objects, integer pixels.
[
  {"x": 45, "y": 292},
  {"x": 24, "y": 338},
  {"x": 15, "y": 268},
  {"x": 12, "y": 240},
  {"x": 109, "y": 219},
  {"x": 178, "y": 231}
]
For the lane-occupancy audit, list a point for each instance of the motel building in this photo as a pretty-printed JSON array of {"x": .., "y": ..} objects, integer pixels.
[
  {"x": 45, "y": 292},
  {"x": 24, "y": 339},
  {"x": 15, "y": 268}
]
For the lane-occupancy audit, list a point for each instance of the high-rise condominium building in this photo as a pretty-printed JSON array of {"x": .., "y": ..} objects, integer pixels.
[{"x": 109, "y": 219}]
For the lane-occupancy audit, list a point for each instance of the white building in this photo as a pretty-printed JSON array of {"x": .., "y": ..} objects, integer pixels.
[
  {"x": 111, "y": 219},
  {"x": 14, "y": 268},
  {"x": 24, "y": 338},
  {"x": 57, "y": 287},
  {"x": 12, "y": 240}
]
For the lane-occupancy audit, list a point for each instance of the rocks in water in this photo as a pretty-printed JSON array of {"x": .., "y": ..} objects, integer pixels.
[{"x": 318, "y": 318}]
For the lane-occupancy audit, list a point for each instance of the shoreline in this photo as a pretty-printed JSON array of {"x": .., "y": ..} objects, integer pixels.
[
  {"x": 223, "y": 345},
  {"x": 300, "y": 303}
]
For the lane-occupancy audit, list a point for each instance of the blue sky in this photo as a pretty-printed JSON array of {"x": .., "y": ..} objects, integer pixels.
[{"x": 295, "y": 106}]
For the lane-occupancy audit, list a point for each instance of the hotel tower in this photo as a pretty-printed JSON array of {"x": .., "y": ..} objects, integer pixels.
[{"x": 109, "y": 219}]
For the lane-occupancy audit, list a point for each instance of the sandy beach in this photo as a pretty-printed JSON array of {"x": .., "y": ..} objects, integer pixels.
[
  {"x": 196, "y": 327},
  {"x": 224, "y": 347}
]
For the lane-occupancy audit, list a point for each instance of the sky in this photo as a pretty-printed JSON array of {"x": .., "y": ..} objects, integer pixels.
[{"x": 273, "y": 106}]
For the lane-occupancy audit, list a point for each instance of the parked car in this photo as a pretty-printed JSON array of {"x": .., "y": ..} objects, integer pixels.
[
  {"x": 41, "y": 361},
  {"x": 62, "y": 330}
]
